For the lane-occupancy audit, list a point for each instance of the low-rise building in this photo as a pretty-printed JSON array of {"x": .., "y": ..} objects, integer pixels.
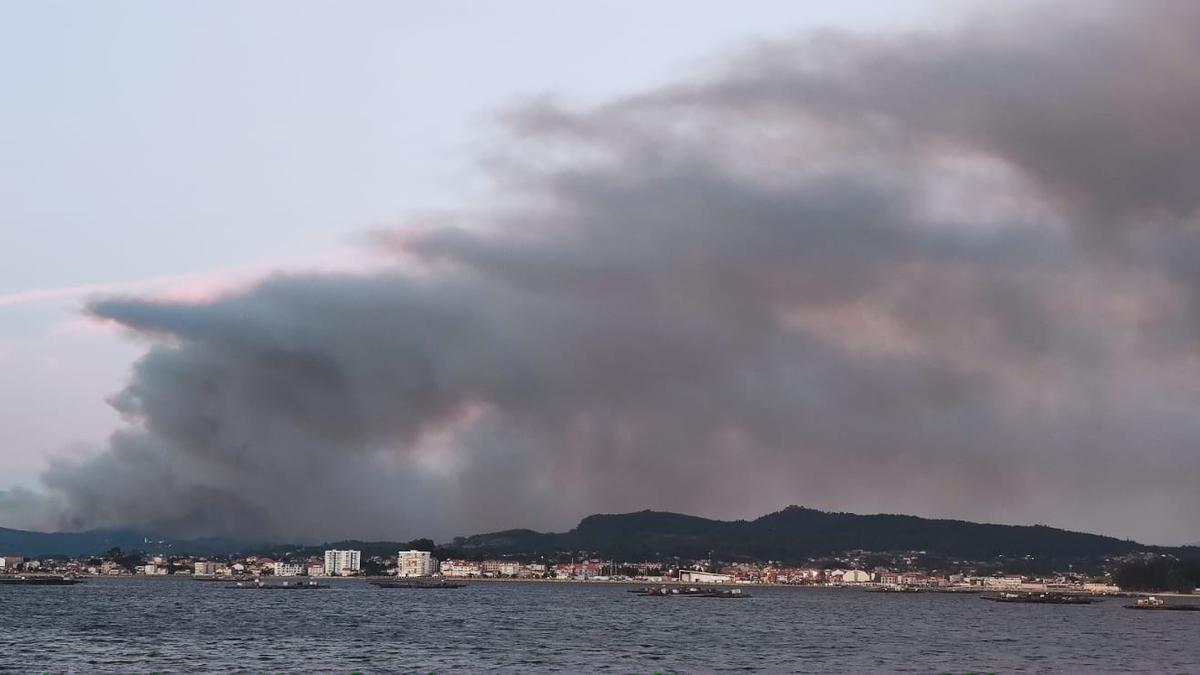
[
  {"x": 500, "y": 568},
  {"x": 286, "y": 569},
  {"x": 460, "y": 568},
  {"x": 697, "y": 577},
  {"x": 1010, "y": 581},
  {"x": 856, "y": 577}
]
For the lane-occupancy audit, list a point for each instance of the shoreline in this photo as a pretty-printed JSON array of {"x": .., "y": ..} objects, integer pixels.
[{"x": 623, "y": 582}]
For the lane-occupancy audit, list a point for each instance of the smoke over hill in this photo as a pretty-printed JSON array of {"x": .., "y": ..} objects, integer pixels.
[{"x": 947, "y": 273}]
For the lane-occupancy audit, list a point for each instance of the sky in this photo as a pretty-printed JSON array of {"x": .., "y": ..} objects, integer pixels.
[{"x": 322, "y": 269}]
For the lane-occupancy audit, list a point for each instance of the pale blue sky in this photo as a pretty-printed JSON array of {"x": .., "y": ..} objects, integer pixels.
[{"x": 143, "y": 140}]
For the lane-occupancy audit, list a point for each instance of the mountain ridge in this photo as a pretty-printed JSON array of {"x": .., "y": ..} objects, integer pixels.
[
  {"x": 796, "y": 532},
  {"x": 792, "y": 533}
]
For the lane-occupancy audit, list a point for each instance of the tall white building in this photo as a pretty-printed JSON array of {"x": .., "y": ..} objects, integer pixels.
[
  {"x": 415, "y": 564},
  {"x": 342, "y": 563}
]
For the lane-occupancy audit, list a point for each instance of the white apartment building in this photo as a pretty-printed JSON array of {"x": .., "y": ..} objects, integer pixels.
[
  {"x": 283, "y": 569},
  {"x": 10, "y": 562},
  {"x": 205, "y": 568},
  {"x": 342, "y": 563},
  {"x": 415, "y": 564}
]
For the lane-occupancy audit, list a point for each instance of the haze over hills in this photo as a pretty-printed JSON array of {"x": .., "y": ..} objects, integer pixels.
[
  {"x": 91, "y": 542},
  {"x": 790, "y": 534}
]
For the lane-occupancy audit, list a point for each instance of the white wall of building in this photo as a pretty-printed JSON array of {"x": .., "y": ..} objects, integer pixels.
[
  {"x": 694, "y": 577},
  {"x": 415, "y": 564},
  {"x": 284, "y": 569}
]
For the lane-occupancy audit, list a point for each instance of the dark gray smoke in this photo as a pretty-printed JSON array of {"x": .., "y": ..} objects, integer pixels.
[{"x": 946, "y": 273}]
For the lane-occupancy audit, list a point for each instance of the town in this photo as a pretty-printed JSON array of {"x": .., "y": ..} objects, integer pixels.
[{"x": 904, "y": 576}]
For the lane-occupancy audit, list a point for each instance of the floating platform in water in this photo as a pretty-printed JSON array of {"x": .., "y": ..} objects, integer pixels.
[
  {"x": 285, "y": 586},
  {"x": 39, "y": 581},
  {"x": 416, "y": 584},
  {"x": 1043, "y": 598},
  {"x": 690, "y": 592},
  {"x": 1160, "y": 604}
]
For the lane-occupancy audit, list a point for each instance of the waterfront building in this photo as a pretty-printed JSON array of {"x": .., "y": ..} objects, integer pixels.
[
  {"x": 284, "y": 569},
  {"x": 460, "y": 568},
  {"x": 316, "y": 570},
  {"x": 415, "y": 564},
  {"x": 205, "y": 568},
  {"x": 1010, "y": 581},
  {"x": 855, "y": 577},
  {"x": 342, "y": 563},
  {"x": 697, "y": 577},
  {"x": 500, "y": 568},
  {"x": 10, "y": 563}
]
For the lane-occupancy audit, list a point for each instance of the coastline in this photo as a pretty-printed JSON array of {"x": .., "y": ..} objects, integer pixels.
[{"x": 622, "y": 582}]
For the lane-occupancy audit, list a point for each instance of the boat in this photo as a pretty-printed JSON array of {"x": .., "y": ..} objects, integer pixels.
[
  {"x": 1042, "y": 598},
  {"x": 1153, "y": 602},
  {"x": 40, "y": 581},
  {"x": 416, "y": 584},
  {"x": 691, "y": 592}
]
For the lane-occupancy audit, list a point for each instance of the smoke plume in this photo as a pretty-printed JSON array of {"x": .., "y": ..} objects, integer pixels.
[{"x": 950, "y": 273}]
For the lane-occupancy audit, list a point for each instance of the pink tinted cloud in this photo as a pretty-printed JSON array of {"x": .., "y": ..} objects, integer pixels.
[{"x": 200, "y": 286}]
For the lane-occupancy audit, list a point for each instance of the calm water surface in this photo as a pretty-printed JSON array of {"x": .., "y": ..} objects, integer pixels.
[{"x": 183, "y": 625}]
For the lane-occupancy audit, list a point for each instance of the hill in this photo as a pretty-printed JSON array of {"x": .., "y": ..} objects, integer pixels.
[
  {"x": 793, "y": 534},
  {"x": 92, "y": 542},
  {"x": 796, "y": 533}
]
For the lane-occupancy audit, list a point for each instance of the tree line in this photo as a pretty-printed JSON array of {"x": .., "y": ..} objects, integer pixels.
[{"x": 1159, "y": 574}]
